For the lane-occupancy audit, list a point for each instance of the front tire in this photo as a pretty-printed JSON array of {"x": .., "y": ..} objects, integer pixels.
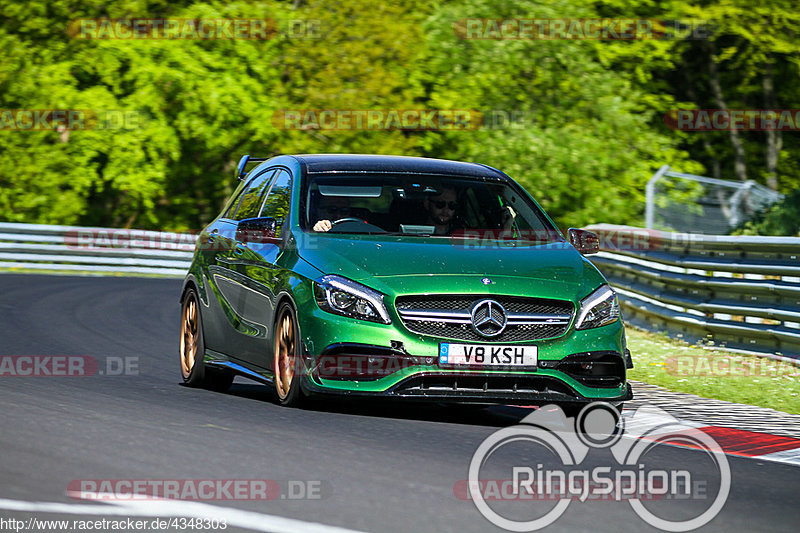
[
  {"x": 192, "y": 349},
  {"x": 287, "y": 358}
]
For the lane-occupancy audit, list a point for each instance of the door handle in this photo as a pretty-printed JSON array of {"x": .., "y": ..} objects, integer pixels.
[{"x": 239, "y": 248}]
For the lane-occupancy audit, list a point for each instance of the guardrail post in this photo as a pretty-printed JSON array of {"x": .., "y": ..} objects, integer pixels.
[{"x": 651, "y": 196}]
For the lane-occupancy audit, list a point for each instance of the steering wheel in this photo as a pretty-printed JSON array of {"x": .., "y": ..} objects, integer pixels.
[
  {"x": 363, "y": 225},
  {"x": 348, "y": 219}
]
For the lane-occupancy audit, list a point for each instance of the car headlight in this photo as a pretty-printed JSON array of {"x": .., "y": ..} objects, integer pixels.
[
  {"x": 345, "y": 297},
  {"x": 598, "y": 309}
]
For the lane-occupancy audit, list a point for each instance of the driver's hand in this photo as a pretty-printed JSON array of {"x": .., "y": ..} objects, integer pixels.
[{"x": 322, "y": 226}]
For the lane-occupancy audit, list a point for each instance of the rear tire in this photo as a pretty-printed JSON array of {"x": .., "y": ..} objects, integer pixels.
[
  {"x": 287, "y": 358},
  {"x": 192, "y": 349}
]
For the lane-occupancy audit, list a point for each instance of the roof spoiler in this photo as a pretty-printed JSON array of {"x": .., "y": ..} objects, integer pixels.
[{"x": 240, "y": 173}]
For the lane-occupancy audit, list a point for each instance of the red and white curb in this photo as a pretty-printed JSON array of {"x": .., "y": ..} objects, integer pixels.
[{"x": 732, "y": 441}]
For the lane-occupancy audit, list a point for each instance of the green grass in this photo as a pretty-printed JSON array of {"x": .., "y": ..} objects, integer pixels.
[{"x": 713, "y": 373}]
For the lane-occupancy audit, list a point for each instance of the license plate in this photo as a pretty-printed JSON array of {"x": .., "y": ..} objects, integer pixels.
[{"x": 487, "y": 355}]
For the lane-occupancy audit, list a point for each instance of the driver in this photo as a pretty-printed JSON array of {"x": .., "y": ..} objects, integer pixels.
[
  {"x": 331, "y": 208},
  {"x": 441, "y": 210}
]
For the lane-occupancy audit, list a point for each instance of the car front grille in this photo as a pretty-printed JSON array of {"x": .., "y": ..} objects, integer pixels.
[
  {"x": 518, "y": 387},
  {"x": 449, "y": 317}
]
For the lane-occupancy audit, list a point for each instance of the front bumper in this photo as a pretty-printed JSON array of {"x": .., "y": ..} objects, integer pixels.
[
  {"x": 510, "y": 389},
  {"x": 420, "y": 376}
]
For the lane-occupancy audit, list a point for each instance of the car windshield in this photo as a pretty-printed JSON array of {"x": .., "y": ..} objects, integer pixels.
[{"x": 424, "y": 206}]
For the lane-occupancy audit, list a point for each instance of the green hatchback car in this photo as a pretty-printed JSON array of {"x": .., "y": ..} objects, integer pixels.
[{"x": 399, "y": 277}]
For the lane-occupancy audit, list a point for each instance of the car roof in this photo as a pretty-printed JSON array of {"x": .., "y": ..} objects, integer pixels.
[{"x": 330, "y": 163}]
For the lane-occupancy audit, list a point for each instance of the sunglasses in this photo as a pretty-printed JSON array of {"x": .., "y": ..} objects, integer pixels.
[{"x": 440, "y": 204}]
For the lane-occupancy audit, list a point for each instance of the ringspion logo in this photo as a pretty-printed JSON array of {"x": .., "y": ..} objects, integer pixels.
[{"x": 543, "y": 460}]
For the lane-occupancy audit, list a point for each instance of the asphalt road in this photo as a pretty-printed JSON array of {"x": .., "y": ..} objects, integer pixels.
[{"x": 376, "y": 467}]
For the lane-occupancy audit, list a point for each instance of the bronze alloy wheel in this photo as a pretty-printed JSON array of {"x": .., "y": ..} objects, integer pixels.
[
  {"x": 195, "y": 372},
  {"x": 190, "y": 335},
  {"x": 287, "y": 378}
]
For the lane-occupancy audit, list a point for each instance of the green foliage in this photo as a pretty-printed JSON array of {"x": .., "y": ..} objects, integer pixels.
[
  {"x": 780, "y": 219},
  {"x": 582, "y": 121},
  {"x": 197, "y": 104},
  {"x": 586, "y": 144}
]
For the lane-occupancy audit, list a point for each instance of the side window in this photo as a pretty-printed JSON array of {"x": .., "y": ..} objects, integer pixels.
[
  {"x": 277, "y": 204},
  {"x": 233, "y": 201},
  {"x": 253, "y": 196}
]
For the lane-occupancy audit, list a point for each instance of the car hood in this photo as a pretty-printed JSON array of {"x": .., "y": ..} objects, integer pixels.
[{"x": 405, "y": 265}]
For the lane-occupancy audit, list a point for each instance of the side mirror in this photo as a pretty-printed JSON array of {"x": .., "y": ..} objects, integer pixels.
[
  {"x": 586, "y": 242},
  {"x": 257, "y": 230}
]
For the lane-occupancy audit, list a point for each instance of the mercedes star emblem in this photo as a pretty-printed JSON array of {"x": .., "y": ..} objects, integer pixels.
[{"x": 488, "y": 318}]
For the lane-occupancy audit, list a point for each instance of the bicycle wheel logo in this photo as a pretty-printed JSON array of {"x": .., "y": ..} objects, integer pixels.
[{"x": 629, "y": 476}]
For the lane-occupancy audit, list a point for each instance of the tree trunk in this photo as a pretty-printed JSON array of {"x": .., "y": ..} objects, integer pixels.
[
  {"x": 739, "y": 164},
  {"x": 774, "y": 137},
  {"x": 709, "y": 149}
]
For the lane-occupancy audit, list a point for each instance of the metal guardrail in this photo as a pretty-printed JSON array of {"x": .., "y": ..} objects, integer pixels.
[
  {"x": 740, "y": 292},
  {"x": 743, "y": 292},
  {"x": 96, "y": 250}
]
